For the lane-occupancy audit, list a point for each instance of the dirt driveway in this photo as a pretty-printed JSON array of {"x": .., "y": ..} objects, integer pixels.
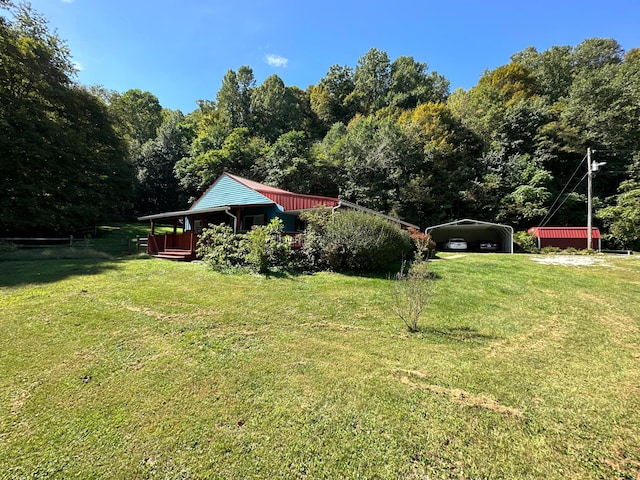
[{"x": 571, "y": 260}]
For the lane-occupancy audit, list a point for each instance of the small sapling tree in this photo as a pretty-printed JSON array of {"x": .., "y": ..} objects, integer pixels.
[{"x": 412, "y": 291}]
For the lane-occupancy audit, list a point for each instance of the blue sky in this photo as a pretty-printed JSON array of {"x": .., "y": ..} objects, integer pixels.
[{"x": 180, "y": 50}]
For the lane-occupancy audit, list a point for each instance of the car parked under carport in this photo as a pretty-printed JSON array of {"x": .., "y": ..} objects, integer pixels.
[{"x": 475, "y": 233}]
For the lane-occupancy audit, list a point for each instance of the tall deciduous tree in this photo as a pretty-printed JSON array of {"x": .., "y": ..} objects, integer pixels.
[
  {"x": 411, "y": 85},
  {"x": 62, "y": 164},
  {"x": 287, "y": 163},
  {"x": 371, "y": 158},
  {"x": 372, "y": 81},
  {"x": 623, "y": 217},
  {"x": 158, "y": 187},
  {"x": 237, "y": 154},
  {"x": 603, "y": 106},
  {"x": 139, "y": 115},
  {"x": 234, "y": 97},
  {"x": 277, "y": 109},
  {"x": 552, "y": 69},
  {"x": 440, "y": 179},
  {"x": 330, "y": 99}
]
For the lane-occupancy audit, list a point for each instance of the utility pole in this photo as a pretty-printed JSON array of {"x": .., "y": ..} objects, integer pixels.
[
  {"x": 591, "y": 167},
  {"x": 589, "y": 194}
]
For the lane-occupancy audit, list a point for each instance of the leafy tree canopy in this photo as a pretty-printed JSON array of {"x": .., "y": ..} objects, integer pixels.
[
  {"x": 385, "y": 133},
  {"x": 63, "y": 165}
]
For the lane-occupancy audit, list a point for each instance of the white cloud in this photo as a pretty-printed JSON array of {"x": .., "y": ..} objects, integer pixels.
[
  {"x": 276, "y": 60},
  {"x": 76, "y": 65}
]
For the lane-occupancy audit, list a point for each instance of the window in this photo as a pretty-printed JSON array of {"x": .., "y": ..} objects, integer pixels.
[{"x": 250, "y": 220}]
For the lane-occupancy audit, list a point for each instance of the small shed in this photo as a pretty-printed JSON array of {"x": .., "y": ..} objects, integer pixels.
[
  {"x": 474, "y": 232},
  {"x": 566, "y": 237}
]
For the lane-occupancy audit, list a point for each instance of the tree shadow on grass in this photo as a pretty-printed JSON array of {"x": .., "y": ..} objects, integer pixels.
[
  {"x": 386, "y": 275},
  {"x": 285, "y": 275},
  {"x": 40, "y": 271}
]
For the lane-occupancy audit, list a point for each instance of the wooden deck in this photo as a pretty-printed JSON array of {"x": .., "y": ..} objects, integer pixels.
[
  {"x": 173, "y": 246},
  {"x": 177, "y": 254}
]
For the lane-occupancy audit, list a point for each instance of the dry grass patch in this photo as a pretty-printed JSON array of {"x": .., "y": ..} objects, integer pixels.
[
  {"x": 460, "y": 396},
  {"x": 341, "y": 327},
  {"x": 543, "y": 335},
  {"x": 623, "y": 461},
  {"x": 618, "y": 323}
]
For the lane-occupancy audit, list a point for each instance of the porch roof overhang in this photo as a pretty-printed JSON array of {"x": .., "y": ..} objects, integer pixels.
[{"x": 184, "y": 213}]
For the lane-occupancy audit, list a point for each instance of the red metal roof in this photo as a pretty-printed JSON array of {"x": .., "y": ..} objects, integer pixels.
[
  {"x": 563, "y": 232},
  {"x": 287, "y": 200}
]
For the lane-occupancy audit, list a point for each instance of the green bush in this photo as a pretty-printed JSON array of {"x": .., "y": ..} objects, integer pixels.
[
  {"x": 260, "y": 250},
  {"x": 353, "y": 241},
  {"x": 221, "y": 248},
  {"x": 268, "y": 249},
  {"x": 550, "y": 249},
  {"x": 526, "y": 242},
  {"x": 423, "y": 243},
  {"x": 315, "y": 240},
  {"x": 349, "y": 241}
]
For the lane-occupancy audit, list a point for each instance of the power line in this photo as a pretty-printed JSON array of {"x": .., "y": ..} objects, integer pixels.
[
  {"x": 548, "y": 216},
  {"x": 551, "y": 214}
]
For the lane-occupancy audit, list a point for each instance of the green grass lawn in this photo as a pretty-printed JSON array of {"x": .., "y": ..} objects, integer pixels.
[{"x": 139, "y": 368}]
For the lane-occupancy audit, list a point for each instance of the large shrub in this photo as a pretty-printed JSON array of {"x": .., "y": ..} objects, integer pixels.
[
  {"x": 221, "y": 248},
  {"x": 423, "y": 243},
  {"x": 268, "y": 248},
  {"x": 353, "y": 241},
  {"x": 262, "y": 249},
  {"x": 526, "y": 242}
]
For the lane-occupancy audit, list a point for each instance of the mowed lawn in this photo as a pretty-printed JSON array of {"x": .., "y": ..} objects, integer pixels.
[{"x": 139, "y": 368}]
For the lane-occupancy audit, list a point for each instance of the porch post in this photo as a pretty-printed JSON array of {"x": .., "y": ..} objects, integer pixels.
[{"x": 238, "y": 214}]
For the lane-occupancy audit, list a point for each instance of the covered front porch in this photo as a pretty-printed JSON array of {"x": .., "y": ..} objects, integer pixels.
[
  {"x": 181, "y": 243},
  {"x": 173, "y": 246}
]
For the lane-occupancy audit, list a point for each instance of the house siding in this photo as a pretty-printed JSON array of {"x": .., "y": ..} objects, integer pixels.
[
  {"x": 271, "y": 212},
  {"x": 289, "y": 222},
  {"x": 227, "y": 191}
]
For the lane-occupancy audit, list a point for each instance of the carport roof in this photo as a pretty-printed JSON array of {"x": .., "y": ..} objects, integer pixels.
[{"x": 468, "y": 222}]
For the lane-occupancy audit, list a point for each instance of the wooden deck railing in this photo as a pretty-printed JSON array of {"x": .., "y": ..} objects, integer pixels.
[
  {"x": 37, "y": 242},
  {"x": 162, "y": 242}
]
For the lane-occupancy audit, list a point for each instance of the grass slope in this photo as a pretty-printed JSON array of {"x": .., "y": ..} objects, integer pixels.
[{"x": 139, "y": 368}]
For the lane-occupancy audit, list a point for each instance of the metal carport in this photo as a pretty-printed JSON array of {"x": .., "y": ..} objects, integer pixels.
[{"x": 474, "y": 232}]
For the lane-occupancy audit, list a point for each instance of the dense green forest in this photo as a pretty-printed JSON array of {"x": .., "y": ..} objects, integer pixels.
[{"x": 387, "y": 134}]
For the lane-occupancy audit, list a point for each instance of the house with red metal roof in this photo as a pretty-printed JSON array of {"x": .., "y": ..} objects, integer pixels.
[
  {"x": 241, "y": 204},
  {"x": 566, "y": 237}
]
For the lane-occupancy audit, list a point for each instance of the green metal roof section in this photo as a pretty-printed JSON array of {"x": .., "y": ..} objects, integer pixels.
[{"x": 227, "y": 191}]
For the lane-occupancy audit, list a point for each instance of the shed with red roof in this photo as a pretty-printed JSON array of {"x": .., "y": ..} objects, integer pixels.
[{"x": 566, "y": 237}]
